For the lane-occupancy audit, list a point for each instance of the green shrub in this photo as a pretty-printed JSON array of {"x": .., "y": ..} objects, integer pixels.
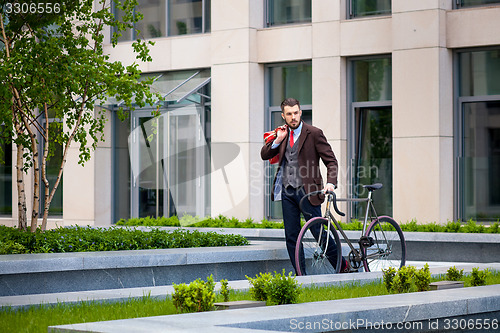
[
  {"x": 478, "y": 277},
  {"x": 407, "y": 279},
  {"x": 259, "y": 286},
  {"x": 270, "y": 224},
  {"x": 172, "y": 221},
  {"x": 453, "y": 274},
  {"x": 225, "y": 290},
  {"x": 83, "y": 239},
  {"x": 403, "y": 280},
  {"x": 452, "y": 226},
  {"x": 423, "y": 278},
  {"x": 225, "y": 222},
  {"x": 275, "y": 290},
  {"x": 353, "y": 225},
  {"x": 410, "y": 226},
  {"x": 473, "y": 227},
  {"x": 11, "y": 247},
  {"x": 283, "y": 289},
  {"x": 198, "y": 296},
  {"x": 389, "y": 275}
]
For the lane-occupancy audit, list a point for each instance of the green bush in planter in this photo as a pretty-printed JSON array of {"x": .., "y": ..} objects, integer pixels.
[
  {"x": 225, "y": 290},
  {"x": 478, "y": 277},
  {"x": 283, "y": 289},
  {"x": 407, "y": 279},
  {"x": 198, "y": 296},
  {"x": 423, "y": 278},
  {"x": 259, "y": 285},
  {"x": 453, "y": 274},
  {"x": 275, "y": 290}
]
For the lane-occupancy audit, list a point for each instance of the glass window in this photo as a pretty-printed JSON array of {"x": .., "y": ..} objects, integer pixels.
[
  {"x": 372, "y": 80},
  {"x": 188, "y": 17},
  {"x": 479, "y": 73},
  {"x": 479, "y": 135},
  {"x": 288, "y": 11},
  {"x": 6, "y": 179},
  {"x": 53, "y": 165},
  {"x": 121, "y": 168},
  {"x": 160, "y": 167},
  {"x": 126, "y": 35},
  {"x": 371, "y": 132},
  {"x": 168, "y": 18},
  {"x": 362, "y": 8},
  {"x": 153, "y": 25},
  {"x": 373, "y": 157},
  {"x": 481, "y": 161},
  {"x": 474, "y": 3},
  {"x": 290, "y": 80}
]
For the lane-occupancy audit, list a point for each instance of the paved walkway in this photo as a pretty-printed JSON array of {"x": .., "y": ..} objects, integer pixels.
[
  {"x": 430, "y": 311},
  {"x": 163, "y": 291}
]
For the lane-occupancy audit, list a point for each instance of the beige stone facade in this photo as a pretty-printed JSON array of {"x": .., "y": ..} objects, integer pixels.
[{"x": 421, "y": 38}]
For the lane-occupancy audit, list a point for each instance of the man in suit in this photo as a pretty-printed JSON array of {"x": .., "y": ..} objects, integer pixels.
[{"x": 300, "y": 147}]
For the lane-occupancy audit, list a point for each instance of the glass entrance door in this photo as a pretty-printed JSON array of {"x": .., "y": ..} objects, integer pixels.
[
  {"x": 480, "y": 157},
  {"x": 372, "y": 162},
  {"x": 168, "y": 159}
]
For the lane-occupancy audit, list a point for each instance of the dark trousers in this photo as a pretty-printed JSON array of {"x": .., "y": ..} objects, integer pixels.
[{"x": 290, "y": 198}]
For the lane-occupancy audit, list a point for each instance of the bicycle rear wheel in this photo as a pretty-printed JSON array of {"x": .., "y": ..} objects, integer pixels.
[
  {"x": 318, "y": 250},
  {"x": 387, "y": 245}
]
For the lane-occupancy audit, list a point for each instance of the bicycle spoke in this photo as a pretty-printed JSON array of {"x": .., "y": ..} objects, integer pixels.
[
  {"x": 319, "y": 244},
  {"x": 388, "y": 249}
]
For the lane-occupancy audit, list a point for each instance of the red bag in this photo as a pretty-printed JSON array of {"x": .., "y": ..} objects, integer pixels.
[{"x": 269, "y": 137}]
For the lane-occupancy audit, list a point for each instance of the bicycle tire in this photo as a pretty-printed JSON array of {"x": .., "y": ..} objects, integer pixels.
[
  {"x": 389, "y": 246},
  {"x": 316, "y": 259}
]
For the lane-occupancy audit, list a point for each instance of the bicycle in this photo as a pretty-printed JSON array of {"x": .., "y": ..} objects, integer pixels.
[{"x": 381, "y": 244}]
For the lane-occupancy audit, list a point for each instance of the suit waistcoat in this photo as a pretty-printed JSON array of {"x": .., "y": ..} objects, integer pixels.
[{"x": 291, "y": 176}]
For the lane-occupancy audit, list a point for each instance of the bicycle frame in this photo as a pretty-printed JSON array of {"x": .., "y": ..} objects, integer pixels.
[
  {"x": 374, "y": 247},
  {"x": 330, "y": 217}
]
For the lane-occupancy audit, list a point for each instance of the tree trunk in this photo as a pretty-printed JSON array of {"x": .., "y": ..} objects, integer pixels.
[
  {"x": 36, "y": 181},
  {"x": 46, "y": 192},
  {"x": 21, "y": 195}
]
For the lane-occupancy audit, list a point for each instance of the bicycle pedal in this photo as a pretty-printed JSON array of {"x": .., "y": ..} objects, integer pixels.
[{"x": 366, "y": 241}]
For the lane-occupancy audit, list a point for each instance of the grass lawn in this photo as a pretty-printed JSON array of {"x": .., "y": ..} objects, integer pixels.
[{"x": 37, "y": 319}]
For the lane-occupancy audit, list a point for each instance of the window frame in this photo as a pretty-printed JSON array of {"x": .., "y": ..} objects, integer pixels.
[
  {"x": 129, "y": 124},
  {"x": 458, "y": 4},
  {"x": 12, "y": 168},
  {"x": 269, "y": 109},
  {"x": 458, "y": 123},
  {"x": 350, "y": 13},
  {"x": 351, "y": 122},
  {"x": 132, "y": 33},
  {"x": 267, "y": 17}
]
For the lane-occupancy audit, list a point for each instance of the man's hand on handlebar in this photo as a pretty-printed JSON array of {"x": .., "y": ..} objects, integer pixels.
[{"x": 329, "y": 188}]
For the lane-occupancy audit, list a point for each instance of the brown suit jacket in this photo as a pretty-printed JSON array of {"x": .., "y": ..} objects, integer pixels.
[{"x": 313, "y": 146}]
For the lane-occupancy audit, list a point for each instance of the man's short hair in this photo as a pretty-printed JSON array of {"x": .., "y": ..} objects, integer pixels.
[{"x": 289, "y": 102}]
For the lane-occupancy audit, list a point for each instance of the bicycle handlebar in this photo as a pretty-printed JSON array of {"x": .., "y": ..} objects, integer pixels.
[{"x": 332, "y": 197}]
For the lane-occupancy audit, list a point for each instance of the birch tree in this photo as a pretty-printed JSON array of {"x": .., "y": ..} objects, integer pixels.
[{"x": 53, "y": 66}]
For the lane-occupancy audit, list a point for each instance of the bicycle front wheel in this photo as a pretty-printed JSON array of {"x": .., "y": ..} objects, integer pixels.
[
  {"x": 318, "y": 249},
  {"x": 385, "y": 246}
]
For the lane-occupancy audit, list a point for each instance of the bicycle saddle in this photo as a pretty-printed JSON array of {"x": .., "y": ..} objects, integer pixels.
[{"x": 373, "y": 187}]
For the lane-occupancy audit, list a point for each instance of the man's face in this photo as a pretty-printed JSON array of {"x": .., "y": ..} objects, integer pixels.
[{"x": 292, "y": 115}]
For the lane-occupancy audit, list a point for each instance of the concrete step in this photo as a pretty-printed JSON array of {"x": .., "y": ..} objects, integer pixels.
[
  {"x": 23, "y": 274},
  {"x": 425, "y": 311},
  {"x": 429, "y": 246},
  {"x": 161, "y": 292}
]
